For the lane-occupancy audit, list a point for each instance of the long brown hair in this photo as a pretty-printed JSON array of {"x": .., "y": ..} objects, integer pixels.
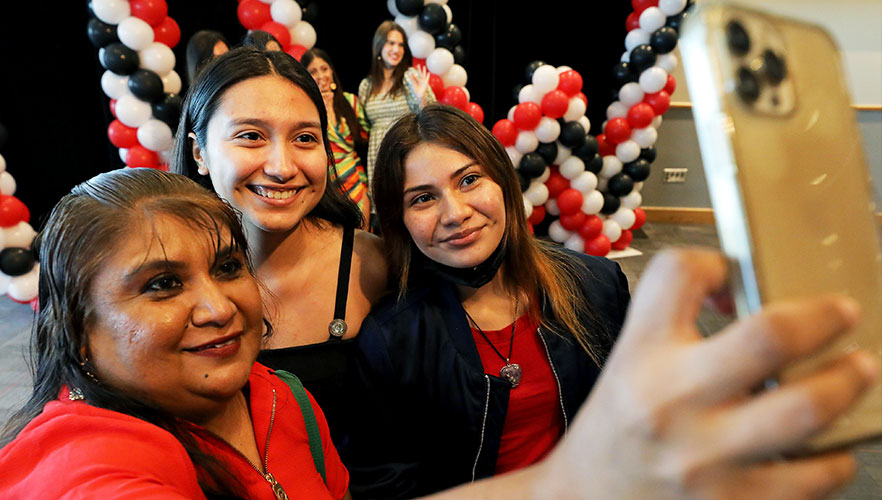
[
  {"x": 376, "y": 75},
  {"x": 535, "y": 267}
]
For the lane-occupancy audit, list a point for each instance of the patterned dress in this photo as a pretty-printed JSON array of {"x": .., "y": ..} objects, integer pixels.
[
  {"x": 383, "y": 110},
  {"x": 349, "y": 169}
]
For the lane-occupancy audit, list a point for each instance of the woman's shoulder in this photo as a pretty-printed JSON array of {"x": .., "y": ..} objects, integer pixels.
[{"x": 368, "y": 248}]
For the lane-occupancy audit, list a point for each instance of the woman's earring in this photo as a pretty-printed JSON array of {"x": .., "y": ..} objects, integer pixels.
[
  {"x": 86, "y": 371},
  {"x": 333, "y": 86}
]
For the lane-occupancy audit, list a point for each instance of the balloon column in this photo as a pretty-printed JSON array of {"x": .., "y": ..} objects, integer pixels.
[
  {"x": 19, "y": 269},
  {"x": 134, "y": 40},
  {"x": 434, "y": 41},
  {"x": 284, "y": 19}
]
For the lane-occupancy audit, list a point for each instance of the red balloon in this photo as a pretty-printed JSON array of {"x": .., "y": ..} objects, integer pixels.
[
  {"x": 122, "y": 136},
  {"x": 139, "y": 156},
  {"x": 592, "y": 226},
  {"x": 660, "y": 101},
  {"x": 167, "y": 32},
  {"x": 572, "y": 222},
  {"x": 295, "y": 51},
  {"x": 113, "y": 107},
  {"x": 623, "y": 241},
  {"x": 527, "y": 115},
  {"x": 556, "y": 184},
  {"x": 598, "y": 246},
  {"x": 278, "y": 30},
  {"x": 671, "y": 85},
  {"x": 530, "y": 228},
  {"x": 581, "y": 95},
  {"x": 537, "y": 216},
  {"x": 570, "y": 82},
  {"x": 639, "y": 219},
  {"x": 633, "y": 21},
  {"x": 640, "y": 115},
  {"x": 617, "y": 130},
  {"x": 454, "y": 96},
  {"x": 253, "y": 14},
  {"x": 604, "y": 147},
  {"x": 437, "y": 84},
  {"x": 12, "y": 211},
  {"x": 151, "y": 11},
  {"x": 473, "y": 109},
  {"x": 641, "y": 5},
  {"x": 554, "y": 104},
  {"x": 506, "y": 132},
  {"x": 569, "y": 201},
  {"x": 419, "y": 63}
]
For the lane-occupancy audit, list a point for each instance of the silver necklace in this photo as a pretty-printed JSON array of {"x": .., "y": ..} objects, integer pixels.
[{"x": 511, "y": 371}]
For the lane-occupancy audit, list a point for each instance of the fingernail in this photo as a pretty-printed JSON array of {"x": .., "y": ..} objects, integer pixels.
[{"x": 867, "y": 364}]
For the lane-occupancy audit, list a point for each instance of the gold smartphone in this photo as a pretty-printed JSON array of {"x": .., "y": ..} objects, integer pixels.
[{"x": 787, "y": 176}]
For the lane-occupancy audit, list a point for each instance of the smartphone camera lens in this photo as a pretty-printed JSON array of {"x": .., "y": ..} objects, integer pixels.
[
  {"x": 737, "y": 38},
  {"x": 775, "y": 67},
  {"x": 747, "y": 85}
]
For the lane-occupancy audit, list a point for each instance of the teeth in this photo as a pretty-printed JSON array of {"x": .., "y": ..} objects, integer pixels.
[
  {"x": 274, "y": 194},
  {"x": 215, "y": 346}
]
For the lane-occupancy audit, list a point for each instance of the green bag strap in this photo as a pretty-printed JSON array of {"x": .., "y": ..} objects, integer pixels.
[{"x": 312, "y": 428}]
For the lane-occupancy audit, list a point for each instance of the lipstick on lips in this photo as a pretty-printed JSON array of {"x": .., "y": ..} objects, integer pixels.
[{"x": 221, "y": 347}]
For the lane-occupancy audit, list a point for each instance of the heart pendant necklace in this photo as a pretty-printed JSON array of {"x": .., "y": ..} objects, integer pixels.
[{"x": 511, "y": 371}]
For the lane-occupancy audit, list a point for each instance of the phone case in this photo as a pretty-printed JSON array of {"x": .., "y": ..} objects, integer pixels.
[{"x": 787, "y": 175}]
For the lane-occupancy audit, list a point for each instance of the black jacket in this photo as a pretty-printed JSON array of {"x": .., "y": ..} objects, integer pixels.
[{"x": 428, "y": 417}]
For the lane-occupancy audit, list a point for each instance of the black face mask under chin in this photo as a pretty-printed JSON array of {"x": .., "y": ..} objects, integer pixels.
[{"x": 474, "y": 277}]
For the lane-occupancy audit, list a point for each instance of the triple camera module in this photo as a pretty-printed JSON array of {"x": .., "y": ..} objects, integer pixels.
[{"x": 758, "y": 66}]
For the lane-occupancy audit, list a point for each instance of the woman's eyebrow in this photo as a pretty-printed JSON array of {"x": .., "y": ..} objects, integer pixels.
[{"x": 454, "y": 175}]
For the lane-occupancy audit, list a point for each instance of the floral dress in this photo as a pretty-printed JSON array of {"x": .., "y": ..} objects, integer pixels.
[{"x": 348, "y": 168}]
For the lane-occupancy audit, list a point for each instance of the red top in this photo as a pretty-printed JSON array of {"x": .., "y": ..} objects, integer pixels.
[
  {"x": 534, "y": 421},
  {"x": 74, "y": 450}
]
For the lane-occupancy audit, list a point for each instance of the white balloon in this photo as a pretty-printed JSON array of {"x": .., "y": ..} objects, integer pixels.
[
  {"x": 644, "y": 137},
  {"x": 652, "y": 19},
  {"x": 155, "y": 135},
  {"x": 511, "y": 111},
  {"x": 393, "y": 9},
  {"x": 528, "y": 208},
  {"x": 171, "y": 82},
  {"x": 421, "y": 44},
  {"x": 123, "y": 152},
  {"x": 584, "y": 183},
  {"x": 135, "y": 33},
  {"x": 626, "y": 56},
  {"x": 467, "y": 93},
  {"x": 7, "y": 184},
  {"x": 440, "y": 2},
  {"x": 627, "y": 151},
  {"x": 528, "y": 93},
  {"x": 636, "y": 37},
  {"x": 667, "y": 62},
  {"x": 20, "y": 235},
  {"x": 632, "y": 200},
  {"x": 602, "y": 183},
  {"x": 267, "y": 1},
  {"x": 165, "y": 156},
  {"x": 537, "y": 193},
  {"x": 304, "y": 34},
  {"x": 557, "y": 232},
  {"x": 575, "y": 243},
  {"x": 656, "y": 122},
  {"x": 653, "y": 79},
  {"x": 561, "y": 69},
  {"x": 671, "y": 7},
  {"x": 617, "y": 109},
  {"x": 630, "y": 94},
  {"x": 586, "y": 124},
  {"x": 24, "y": 288},
  {"x": 448, "y": 12},
  {"x": 545, "y": 79},
  {"x": 115, "y": 86},
  {"x": 611, "y": 166},
  {"x": 573, "y": 167},
  {"x": 456, "y": 76},
  {"x": 548, "y": 129},
  {"x": 2, "y": 164},
  {"x": 158, "y": 57},
  {"x": 111, "y": 11},
  {"x": 575, "y": 109},
  {"x": 563, "y": 153},
  {"x": 410, "y": 24},
  {"x": 287, "y": 12},
  {"x": 101, "y": 57},
  {"x": 624, "y": 217},
  {"x": 551, "y": 208},
  {"x": 513, "y": 154},
  {"x": 592, "y": 202},
  {"x": 133, "y": 112},
  {"x": 612, "y": 230},
  {"x": 545, "y": 175},
  {"x": 439, "y": 61},
  {"x": 526, "y": 142},
  {"x": 638, "y": 186}
]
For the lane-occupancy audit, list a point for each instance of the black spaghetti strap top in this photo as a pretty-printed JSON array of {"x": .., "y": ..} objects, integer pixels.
[{"x": 322, "y": 366}]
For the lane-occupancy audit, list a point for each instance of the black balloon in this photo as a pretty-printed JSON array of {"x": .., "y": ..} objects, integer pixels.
[
  {"x": 595, "y": 165},
  {"x": 409, "y": 8},
  {"x": 676, "y": 21},
  {"x": 663, "y": 40},
  {"x": 146, "y": 85},
  {"x": 432, "y": 19},
  {"x": 642, "y": 58},
  {"x": 523, "y": 181},
  {"x": 458, "y": 54},
  {"x": 16, "y": 261},
  {"x": 120, "y": 59},
  {"x": 532, "y": 165},
  {"x": 637, "y": 170},
  {"x": 648, "y": 154},
  {"x": 611, "y": 203},
  {"x": 531, "y": 68},
  {"x": 453, "y": 34},
  {"x": 620, "y": 184},
  {"x": 516, "y": 91},
  {"x": 444, "y": 40},
  {"x": 548, "y": 151},
  {"x": 100, "y": 33},
  {"x": 572, "y": 134},
  {"x": 168, "y": 110},
  {"x": 588, "y": 150},
  {"x": 623, "y": 74},
  {"x": 310, "y": 13}
]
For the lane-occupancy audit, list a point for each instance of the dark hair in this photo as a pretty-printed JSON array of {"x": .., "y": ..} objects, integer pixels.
[
  {"x": 539, "y": 268},
  {"x": 205, "y": 95},
  {"x": 200, "y": 50},
  {"x": 259, "y": 39},
  {"x": 81, "y": 232},
  {"x": 341, "y": 105},
  {"x": 376, "y": 75}
]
